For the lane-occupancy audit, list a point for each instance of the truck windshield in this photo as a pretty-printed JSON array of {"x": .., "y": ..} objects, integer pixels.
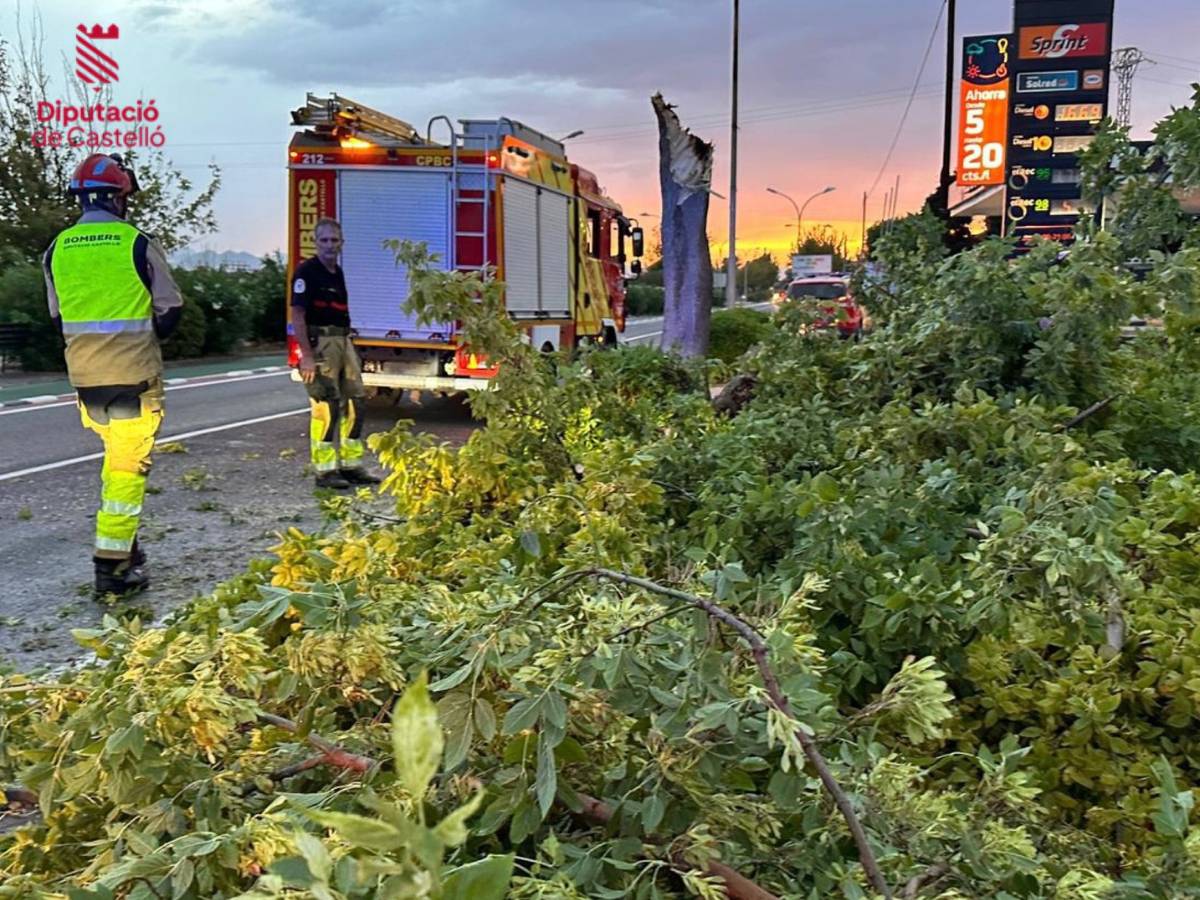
[{"x": 821, "y": 290}]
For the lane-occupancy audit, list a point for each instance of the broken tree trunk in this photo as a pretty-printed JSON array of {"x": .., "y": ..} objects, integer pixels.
[{"x": 685, "y": 174}]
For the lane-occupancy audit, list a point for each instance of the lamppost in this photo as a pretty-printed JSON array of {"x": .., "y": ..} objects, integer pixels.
[
  {"x": 731, "y": 261},
  {"x": 800, "y": 209},
  {"x": 804, "y": 205},
  {"x": 772, "y": 190}
]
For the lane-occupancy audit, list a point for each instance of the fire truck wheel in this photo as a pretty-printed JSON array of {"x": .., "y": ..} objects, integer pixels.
[{"x": 610, "y": 336}]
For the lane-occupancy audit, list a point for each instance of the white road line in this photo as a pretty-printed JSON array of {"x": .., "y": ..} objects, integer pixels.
[
  {"x": 35, "y": 407},
  {"x": 174, "y": 437},
  {"x": 638, "y": 337}
]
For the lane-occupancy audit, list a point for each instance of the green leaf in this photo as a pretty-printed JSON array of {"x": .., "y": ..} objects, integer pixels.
[
  {"x": 522, "y": 715},
  {"x": 547, "y": 776},
  {"x": 652, "y": 812},
  {"x": 485, "y": 719},
  {"x": 531, "y": 543},
  {"x": 416, "y": 738},
  {"x": 293, "y": 870},
  {"x": 370, "y": 834},
  {"x": 484, "y": 879},
  {"x": 182, "y": 877},
  {"x": 454, "y": 679},
  {"x": 452, "y": 830},
  {"x": 314, "y": 853},
  {"x": 826, "y": 487}
]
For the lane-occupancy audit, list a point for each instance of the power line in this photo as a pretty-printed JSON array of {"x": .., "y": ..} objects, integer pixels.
[
  {"x": 912, "y": 96},
  {"x": 1182, "y": 59},
  {"x": 774, "y": 117},
  {"x": 1164, "y": 81}
]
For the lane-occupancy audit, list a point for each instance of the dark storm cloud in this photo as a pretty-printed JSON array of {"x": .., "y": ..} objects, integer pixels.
[{"x": 680, "y": 46}]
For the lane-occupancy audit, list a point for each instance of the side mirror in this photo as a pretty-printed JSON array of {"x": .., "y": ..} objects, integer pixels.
[
  {"x": 639, "y": 241},
  {"x": 635, "y": 268}
]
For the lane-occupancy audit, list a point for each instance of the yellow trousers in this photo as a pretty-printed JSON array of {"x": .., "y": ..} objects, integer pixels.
[{"x": 127, "y": 419}]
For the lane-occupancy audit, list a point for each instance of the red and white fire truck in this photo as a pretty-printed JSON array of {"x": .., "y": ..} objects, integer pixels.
[{"x": 496, "y": 196}]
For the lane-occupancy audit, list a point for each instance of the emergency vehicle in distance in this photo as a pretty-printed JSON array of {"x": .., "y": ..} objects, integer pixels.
[{"x": 497, "y": 194}]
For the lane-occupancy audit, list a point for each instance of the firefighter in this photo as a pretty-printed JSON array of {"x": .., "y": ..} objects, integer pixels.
[
  {"x": 329, "y": 364},
  {"x": 111, "y": 293}
]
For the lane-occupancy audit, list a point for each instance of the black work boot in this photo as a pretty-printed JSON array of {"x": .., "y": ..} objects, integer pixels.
[
  {"x": 332, "y": 481},
  {"x": 119, "y": 576},
  {"x": 359, "y": 475}
]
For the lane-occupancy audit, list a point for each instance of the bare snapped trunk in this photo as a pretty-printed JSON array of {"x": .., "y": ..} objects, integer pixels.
[{"x": 685, "y": 173}]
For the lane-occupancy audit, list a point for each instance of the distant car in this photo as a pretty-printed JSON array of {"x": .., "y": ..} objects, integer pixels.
[{"x": 832, "y": 302}]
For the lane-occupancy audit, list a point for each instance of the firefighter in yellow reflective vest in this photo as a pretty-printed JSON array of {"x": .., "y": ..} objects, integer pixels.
[{"x": 109, "y": 287}]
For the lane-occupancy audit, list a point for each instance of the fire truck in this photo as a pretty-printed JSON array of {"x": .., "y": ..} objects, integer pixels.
[{"x": 493, "y": 196}]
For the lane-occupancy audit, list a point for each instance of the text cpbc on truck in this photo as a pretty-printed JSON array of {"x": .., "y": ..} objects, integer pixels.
[{"x": 497, "y": 196}]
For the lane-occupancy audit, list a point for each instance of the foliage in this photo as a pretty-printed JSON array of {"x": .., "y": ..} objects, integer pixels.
[
  {"x": 23, "y": 300},
  {"x": 734, "y": 331},
  {"x": 187, "y": 341},
  {"x": 643, "y": 299},
  {"x": 237, "y": 306},
  {"x": 982, "y": 603}
]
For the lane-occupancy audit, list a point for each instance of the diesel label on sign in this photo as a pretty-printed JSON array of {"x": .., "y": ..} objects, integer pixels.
[{"x": 1064, "y": 41}]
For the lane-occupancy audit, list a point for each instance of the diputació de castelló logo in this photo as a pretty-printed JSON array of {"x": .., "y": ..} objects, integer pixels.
[{"x": 98, "y": 125}]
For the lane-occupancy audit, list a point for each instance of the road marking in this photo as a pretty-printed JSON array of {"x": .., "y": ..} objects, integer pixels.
[
  {"x": 640, "y": 336},
  {"x": 34, "y": 404},
  {"x": 174, "y": 437}
]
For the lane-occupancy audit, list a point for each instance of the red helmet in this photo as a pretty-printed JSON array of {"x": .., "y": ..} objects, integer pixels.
[{"x": 103, "y": 174}]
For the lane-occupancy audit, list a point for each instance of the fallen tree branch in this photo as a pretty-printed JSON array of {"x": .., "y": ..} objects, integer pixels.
[
  {"x": 624, "y": 632},
  {"x": 332, "y": 754},
  {"x": 1085, "y": 415},
  {"x": 737, "y": 887},
  {"x": 279, "y": 775},
  {"x": 918, "y": 881},
  {"x": 780, "y": 701},
  {"x": 22, "y": 808}
]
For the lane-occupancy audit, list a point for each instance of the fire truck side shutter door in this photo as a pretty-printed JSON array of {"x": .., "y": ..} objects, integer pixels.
[
  {"x": 554, "y": 258},
  {"x": 521, "y": 247},
  {"x": 376, "y": 206}
]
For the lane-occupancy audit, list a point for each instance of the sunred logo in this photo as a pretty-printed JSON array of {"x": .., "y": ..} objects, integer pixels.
[
  {"x": 1064, "y": 41},
  {"x": 93, "y": 65}
]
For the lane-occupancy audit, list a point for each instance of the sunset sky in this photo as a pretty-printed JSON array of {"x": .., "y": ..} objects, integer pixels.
[{"x": 823, "y": 86}]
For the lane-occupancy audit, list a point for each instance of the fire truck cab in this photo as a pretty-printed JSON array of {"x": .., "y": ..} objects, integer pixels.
[{"x": 496, "y": 197}]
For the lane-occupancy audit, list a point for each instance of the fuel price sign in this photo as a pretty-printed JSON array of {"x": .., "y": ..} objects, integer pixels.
[{"x": 983, "y": 111}]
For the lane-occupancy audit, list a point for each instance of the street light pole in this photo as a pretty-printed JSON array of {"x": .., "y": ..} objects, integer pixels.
[
  {"x": 800, "y": 215},
  {"x": 731, "y": 262},
  {"x": 772, "y": 190}
]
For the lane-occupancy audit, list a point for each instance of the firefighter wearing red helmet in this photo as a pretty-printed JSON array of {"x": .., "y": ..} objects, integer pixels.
[{"x": 111, "y": 292}]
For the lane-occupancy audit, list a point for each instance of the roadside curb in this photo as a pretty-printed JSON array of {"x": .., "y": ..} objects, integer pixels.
[{"x": 167, "y": 382}]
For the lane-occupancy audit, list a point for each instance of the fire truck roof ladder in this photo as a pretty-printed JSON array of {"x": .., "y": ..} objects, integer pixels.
[
  {"x": 474, "y": 177},
  {"x": 475, "y": 130},
  {"x": 337, "y": 116}
]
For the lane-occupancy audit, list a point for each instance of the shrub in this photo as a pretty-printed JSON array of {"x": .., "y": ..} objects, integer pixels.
[
  {"x": 23, "y": 301},
  {"x": 188, "y": 339},
  {"x": 644, "y": 300},
  {"x": 230, "y": 308},
  {"x": 734, "y": 331},
  {"x": 268, "y": 288}
]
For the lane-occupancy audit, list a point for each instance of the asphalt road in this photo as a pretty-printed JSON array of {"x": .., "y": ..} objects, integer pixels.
[{"x": 241, "y": 479}]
